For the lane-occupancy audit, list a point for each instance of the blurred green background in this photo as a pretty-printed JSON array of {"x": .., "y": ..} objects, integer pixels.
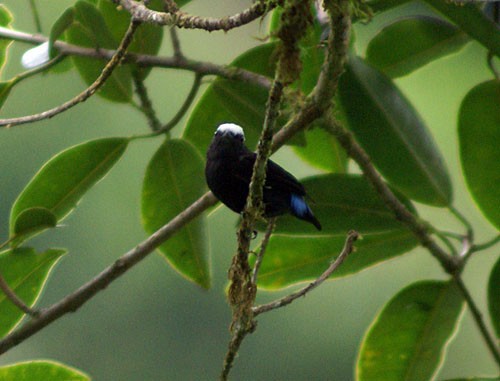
[{"x": 151, "y": 324}]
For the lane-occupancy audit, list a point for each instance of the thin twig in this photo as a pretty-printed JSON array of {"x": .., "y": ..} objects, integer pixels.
[
  {"x": 12, "y": 296},
  {"x": 36, "y": 16},
  {"x": 176, "y": 44},
  {"x": 88, "y": 92},
  {"x": 478, "y": 318},
  {"x": 485, "y": 245},
  {"x": 352, "y": 236},
  {"x": 459, "y": 216},
  {"x": 183, "y": 20},
  {"x": 263, "y": 246},
  {"x": 75, "y": 300},
  {"x": 143, "y": 60},
  {"x": 146, "y": 105}
]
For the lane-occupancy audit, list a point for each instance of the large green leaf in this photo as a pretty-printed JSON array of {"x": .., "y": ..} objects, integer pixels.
[
  {"x": 479, "y": 137},
  {"x": 64, "y": 179},
  {"x": 233, "y": 101},
  {"x": 89, "y": 29},
  {"x": 472, "y": 21},
  {"x": 5, "y": 21},
  {"x": 393, "y": 134},
  {"x": 41, "y": 370},
  {"x": 494, "y": 297},
  {"x": 408, "y": 338},
  {"x": 410, "y": 43},
  {"x": 298, "y": 253},
  {"x": 174, "y": 180},
  {"x": 26, "y": 272}
]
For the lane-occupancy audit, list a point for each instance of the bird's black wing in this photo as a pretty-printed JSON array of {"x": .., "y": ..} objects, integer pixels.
[{"x": 276, "y": 177}]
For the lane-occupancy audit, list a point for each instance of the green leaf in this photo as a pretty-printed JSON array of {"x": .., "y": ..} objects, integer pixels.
[
  {"x": 32, "y": 221},
  {"x": 174, "y": 180},
  {"x": 494, "y": 297},
  {"x": 476, "y": 379},
  {"x": 322, "y": 151},
  {"x": 233, "y": 101},
  {"x": 393, "y": 134},
  {"x": 5, "y": 88},
  {"x": 147, "y": 38},
  {"x": 64, "y": 179},
  {"x": 297, "y": 253},
  {"x": 408, "y": 44},
  {"x": 5, "y": 21},
  {"x": 89, "y": 29},
  {"x": 26, "y": 272},
  {"x": 41, "y": 370},
  {"x": 472, "y": 21},
  {"x": 384, "y": 5},
  {"x": 479, "y": 134},
  {"x": 62, "y": 23},
  {"x": 408, "y": 338}
]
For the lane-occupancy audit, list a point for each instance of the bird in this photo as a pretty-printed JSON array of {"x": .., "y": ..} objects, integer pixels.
[{"x": 228, "y": 172}]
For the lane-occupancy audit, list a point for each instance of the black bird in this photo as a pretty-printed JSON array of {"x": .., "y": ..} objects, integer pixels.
[{"x": 229, "y": 170}]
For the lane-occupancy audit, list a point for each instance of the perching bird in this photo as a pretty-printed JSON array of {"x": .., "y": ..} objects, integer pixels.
[{"x": 229, "y": 170}]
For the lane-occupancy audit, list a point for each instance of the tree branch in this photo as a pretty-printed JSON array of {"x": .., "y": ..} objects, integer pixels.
[
  {"x": 88, "y": 92},
  {"x": 75, "y": 300},
  {"x": 352, "y": 236},
  {"x": 183, "y": 20}
]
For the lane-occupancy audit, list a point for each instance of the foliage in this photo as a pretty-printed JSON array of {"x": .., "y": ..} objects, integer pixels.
[{"x": 408, "y": 337}]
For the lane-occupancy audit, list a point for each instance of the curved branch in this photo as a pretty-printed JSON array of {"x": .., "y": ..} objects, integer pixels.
[
  {"x": 88, "y": 92},
  {"x": 75, "y": 300},
  {"x": 183, "y": 20}
]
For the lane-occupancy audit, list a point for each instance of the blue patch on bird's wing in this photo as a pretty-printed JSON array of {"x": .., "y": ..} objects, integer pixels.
[{"x": 298, "y": 205}]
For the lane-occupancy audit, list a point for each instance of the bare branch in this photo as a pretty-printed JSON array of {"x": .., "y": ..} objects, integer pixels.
[
  {"x": 183, "y": 20},
  {"x": 87, "y": 93},
  {"x": 352, "y": 236},
  {"x": 75, "y": 300},
  {"x": 263, "y": 246}
]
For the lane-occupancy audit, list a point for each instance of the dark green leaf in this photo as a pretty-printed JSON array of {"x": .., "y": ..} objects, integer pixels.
[
  {"x": 408, "y": 339},
  {"x": 479, "y": 137},
  {"x": 472, "y": 21},
  {"x": 26, "y": 272},
  {"x": 89, "y": 29},
  {"x": 5, "y": 21},
  {"x": 494, "y": 297},
  {"x": 147, "y": 38},
  {"x": 41, "y": 370},
  {"x": 393, "y": 134},
  {"x": 343, "y": 202},
  {"x": 62, "y": 23},
  {"x": 65, "y": 178},
  {"x": 297, "y": 253},
  {"x": 384, "y": 5},
  {"x": 233, "y": 101},
  {"x": 407, "y": 45},
  {"x": 476, "y": 379},
  {"x": 174, "y": 180},
  {"x": 32, "y": 221}
]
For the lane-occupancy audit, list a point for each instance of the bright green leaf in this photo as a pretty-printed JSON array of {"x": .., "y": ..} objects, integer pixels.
[
  {"x": 64, "y": 179},
  {"x": 494, "y": 297},
  {"x": 5, "y": 21},
  {"x": 479, "y": 137},
  {"x": 32, "y": 221},
  {"x": 233, "y": 101},
  {"x": 5, "y": 88},
  {"x": 89, "y": 29},
  {"x": 26, "y": 272},
  {"x": 393, "y": 134},
  {"x": 408, "y": 44},
  {"x": 174, "y": 180},
  {"x": 298, "y": 253},
  {"x": 41, "y": 370},
  {"x": 62, "y": 23},
  {"x": 472, "y": 21},
  {"x": 407, "y": 340}
]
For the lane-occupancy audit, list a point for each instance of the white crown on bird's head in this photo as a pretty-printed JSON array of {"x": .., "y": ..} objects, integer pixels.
[{"x": 230, "y": 128}]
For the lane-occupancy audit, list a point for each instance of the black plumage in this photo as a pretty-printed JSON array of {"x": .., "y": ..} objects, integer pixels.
[{"x": 229, "y": 170}]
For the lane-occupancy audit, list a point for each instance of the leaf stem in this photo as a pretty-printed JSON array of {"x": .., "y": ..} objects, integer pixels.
[{"x": 16, "y": 300}]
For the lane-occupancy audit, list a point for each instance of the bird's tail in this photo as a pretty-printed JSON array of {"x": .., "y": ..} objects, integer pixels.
[{"x": 301, "y": 210}]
